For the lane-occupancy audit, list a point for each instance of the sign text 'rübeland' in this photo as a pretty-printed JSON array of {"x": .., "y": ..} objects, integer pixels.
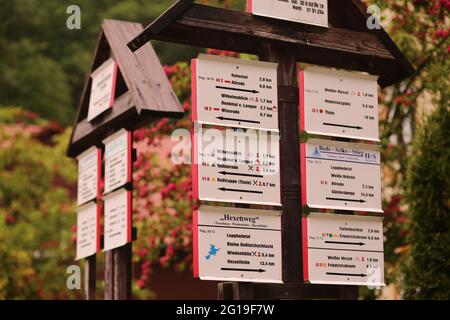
[
  {"x": 339, "y": 104},
  {"x": 117, "y": 219},
  {"x": 88, "y": 230},
  {"x": 102, "y": 89},
  {"x": 118, "y": 160},
  {"x": 236, "y": 166},
  {"x": 343, "y": 249},
  {"x": 89, "y": 175},
  {"x": 233, "y": 244},
  {"x": 341, "y": 176},
  {"x": 314, "y": 12},
  {"x": 235, "y": 92}
]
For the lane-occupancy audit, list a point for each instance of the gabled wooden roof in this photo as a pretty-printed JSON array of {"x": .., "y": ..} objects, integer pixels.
[
  {"x": 346, "y": 44},
  {"x": 143, "y": 92}
]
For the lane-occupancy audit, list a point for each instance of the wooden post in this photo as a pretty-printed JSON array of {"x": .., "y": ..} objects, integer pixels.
[
  {"x": 109, "y": 275},
  {"x": 122, "y": 272},
  {"x": 90, "y": 271},
  {"x": 288, "y": 117}
]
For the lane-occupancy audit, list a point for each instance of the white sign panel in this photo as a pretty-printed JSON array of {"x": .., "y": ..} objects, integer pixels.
[
  {"x": 341, "y": 176},
  {"x": 117, "y": 219},
  {"x": 340, "y": 104},
  {"x": 88, "y": 235},
  {"x": 117, "y": 160},
  {"x": 89, "y": 171},
  {"x": 314, "y": 12},
  {"x": 343, "y": 249},
  {"x": 235, "y": 92},
  {"x": 102, "y": 89},
  {"x": 236, "y": 166},
  {"x": 237, "y": 245}
]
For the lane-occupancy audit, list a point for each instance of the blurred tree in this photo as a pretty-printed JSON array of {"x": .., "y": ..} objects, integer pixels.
[
  {"x": 37, "y": 186},
  {"x": 426, "y": 271}
]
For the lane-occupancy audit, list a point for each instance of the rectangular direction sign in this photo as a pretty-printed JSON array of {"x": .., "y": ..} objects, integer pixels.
[
  {"x": 338, "y": 103},
  {"x": 88, "y": 230},
  {"x": 343, "y": 249},
  {"x": 235, "y": 92},
  {"x": 314, "y": 12},
  {"x": 102, "y": 89},
  {"x": 89, "y": 175},
  {"x": 233, "y": 244},
  {"x": 117, "y": 231},
  {"x": 340, "y": 176},
  {"x": 118, "y": 161},
  {"x": 236, "y": 166}
]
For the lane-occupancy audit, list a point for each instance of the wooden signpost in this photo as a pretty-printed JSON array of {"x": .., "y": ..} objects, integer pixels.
[
  {"x": 122, "y": 92},
  {"x": 345, "y": 44}
]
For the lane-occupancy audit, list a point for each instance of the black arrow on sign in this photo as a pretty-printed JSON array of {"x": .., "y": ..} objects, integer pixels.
[
  {"x": 240, "y": 190},
  {"x": 237, "y": 89},
  {"x": 225, "y": 173},
  {"x": 342, "y": 126},
  {"x": 238, "y": 120},
  {"x": 349, "y": 200},
  {"x": 353, "y": 243},
  {"x": 243, "y": 270},
  {"x": 362, "y": 275}
]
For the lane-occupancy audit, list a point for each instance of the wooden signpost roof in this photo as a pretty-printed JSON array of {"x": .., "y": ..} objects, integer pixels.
[
  {"x": 346, "y": 44},
  {"x": 143, "y": 92}
]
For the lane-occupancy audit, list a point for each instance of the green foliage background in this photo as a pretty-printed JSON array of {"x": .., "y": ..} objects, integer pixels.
[{"x": 426, "y": 269}]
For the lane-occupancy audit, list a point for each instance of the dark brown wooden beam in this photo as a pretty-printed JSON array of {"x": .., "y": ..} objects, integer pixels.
[{"x": 211, "y": 27}]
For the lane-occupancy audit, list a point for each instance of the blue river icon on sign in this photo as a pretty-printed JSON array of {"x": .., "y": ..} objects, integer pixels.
[{"x": 212, "y": 251}]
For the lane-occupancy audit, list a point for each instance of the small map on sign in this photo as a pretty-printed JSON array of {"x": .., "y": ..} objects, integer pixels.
[{"x": 212, "y": 251}]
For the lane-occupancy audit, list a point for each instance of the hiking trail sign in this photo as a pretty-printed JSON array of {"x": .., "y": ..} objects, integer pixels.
[
  {"x": 89, "y": 175},
  {"x": 102, "y": 89},
  {"x": 341, "y": 176},
  {"x": 343, "y": 249},
  {"x": 118, "y": 160},
  {"x": 236, "y": 166},
  {"x": 234, "y": 92},
  {"x": 339, "y": 104},
  {"x": 88, "y": 230},
  {"x": 234, "y": 244},
  {"x": 314, "y": 12},
  {"x": 117, "y": 223}
]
